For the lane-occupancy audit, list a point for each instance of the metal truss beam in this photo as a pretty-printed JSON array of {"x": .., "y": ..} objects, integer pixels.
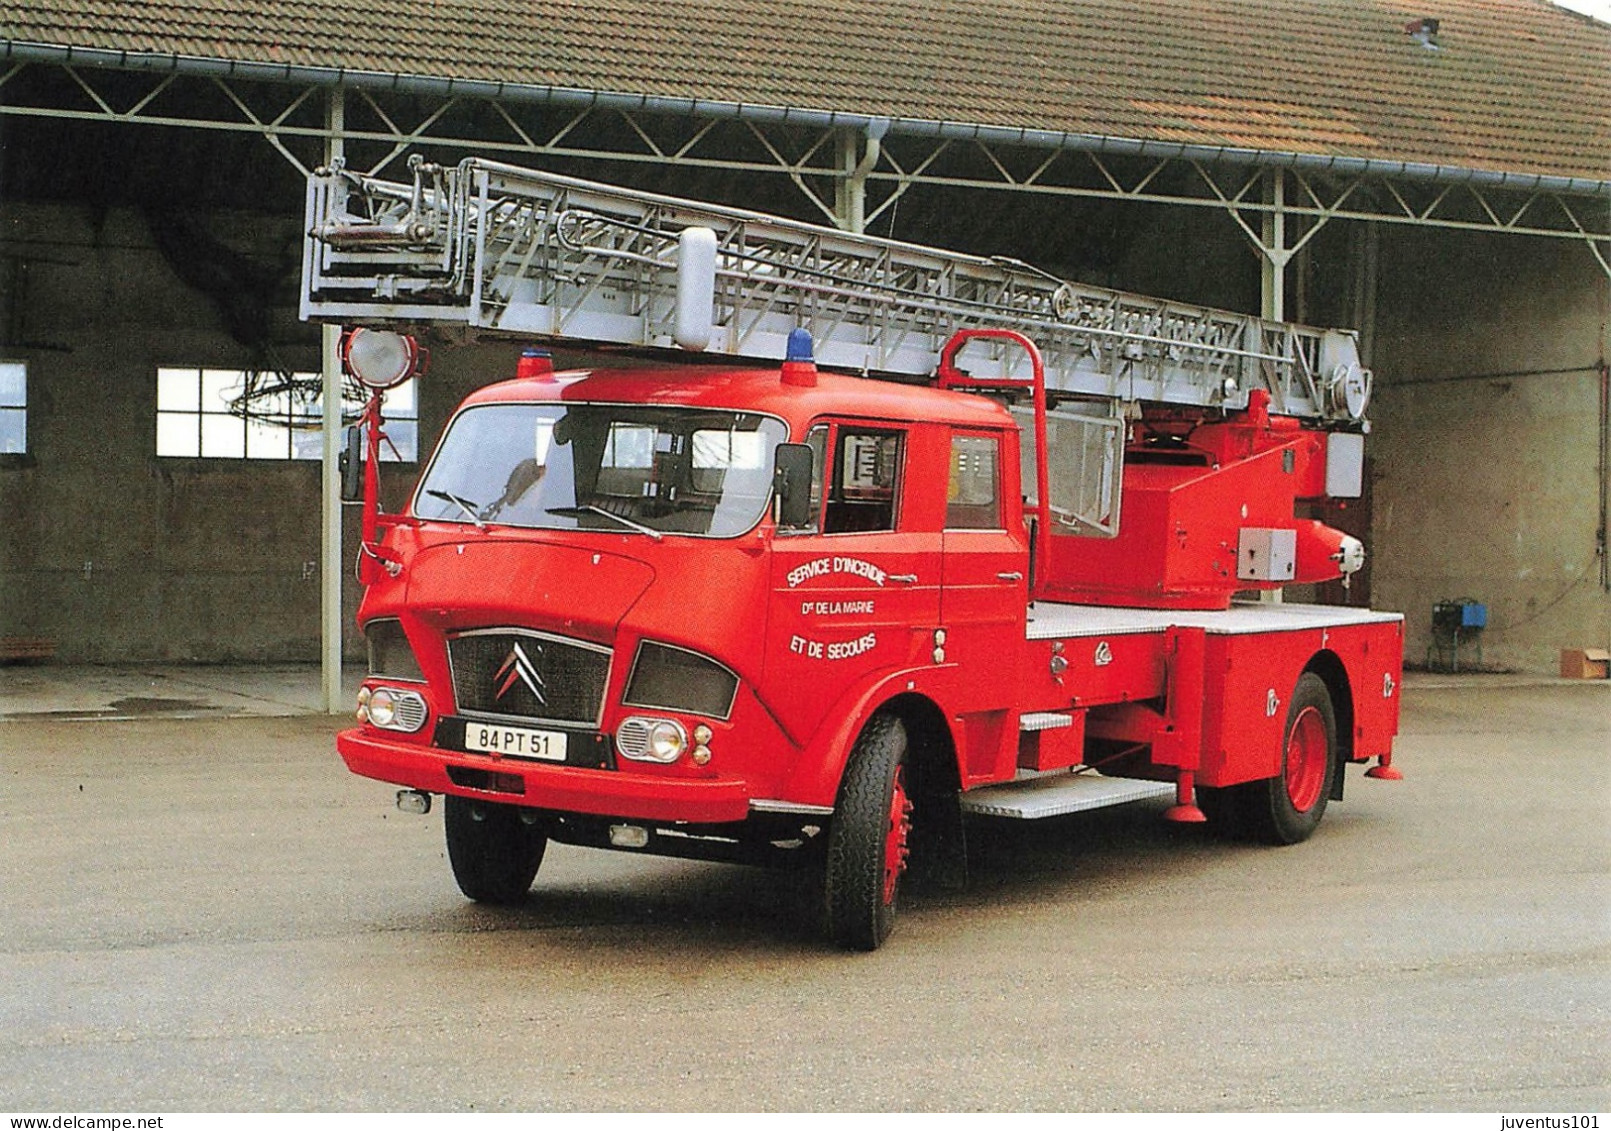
[
  {"x": 851, "y": 178},
  {"x": 1238, "y": 190}
]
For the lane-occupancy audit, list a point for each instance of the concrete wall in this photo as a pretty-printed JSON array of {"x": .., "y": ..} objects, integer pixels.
[
  {"x": 107, "y": 550},
  {"x": 115, "y": 554},
  {"x": 1487, "y": 439}
]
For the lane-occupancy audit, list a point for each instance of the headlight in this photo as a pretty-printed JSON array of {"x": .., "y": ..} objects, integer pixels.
[
  {"x": 650, "y": 740},
  {"x": 391, "y": 708},
  {"x": 382, "y": 708},
  {"x": 667, "y": 742}
]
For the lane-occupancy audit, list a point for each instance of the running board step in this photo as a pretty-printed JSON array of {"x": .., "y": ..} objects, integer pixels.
[
  {"x": 1053, "y": 795},
  {"x": 1044, "y": 720}
]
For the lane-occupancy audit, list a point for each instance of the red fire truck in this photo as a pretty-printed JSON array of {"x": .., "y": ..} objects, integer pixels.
[{"x": 783, "y": 614}]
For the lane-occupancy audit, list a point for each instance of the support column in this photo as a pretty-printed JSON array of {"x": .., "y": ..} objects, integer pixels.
[
  {"x": 850, "y": 190},
  {"x": 1273, "y": 302},
  {"x": 331, "y": 570},
  {"x": 1273, "y": 278}
]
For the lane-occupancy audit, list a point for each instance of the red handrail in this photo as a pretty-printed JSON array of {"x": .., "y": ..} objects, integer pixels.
[
  {"x": 372, "y": 557},
  {"x": 950, "y": 377}
]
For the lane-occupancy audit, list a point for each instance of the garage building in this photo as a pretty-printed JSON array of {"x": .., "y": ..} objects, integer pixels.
[{"x": 1436, "y": 176}]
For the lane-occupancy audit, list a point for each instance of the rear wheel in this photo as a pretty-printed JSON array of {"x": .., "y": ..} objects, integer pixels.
[
  {"x": 495, "y": 850},
  {"x": 1287, "y": 808},
  {"x": 867, "y": 843}
]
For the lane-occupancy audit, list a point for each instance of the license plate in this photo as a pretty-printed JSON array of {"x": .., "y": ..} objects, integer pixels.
[{"x": 515, "y": 742}]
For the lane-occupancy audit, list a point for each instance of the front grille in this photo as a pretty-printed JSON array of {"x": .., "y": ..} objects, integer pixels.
[{"x": 529, "y": 675}]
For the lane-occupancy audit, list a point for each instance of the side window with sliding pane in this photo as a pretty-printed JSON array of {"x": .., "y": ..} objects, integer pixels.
[
  {"x": 866, "y": 481},
  {"x": 973, "y": 497},
  {"x": 817, "y": 441}
]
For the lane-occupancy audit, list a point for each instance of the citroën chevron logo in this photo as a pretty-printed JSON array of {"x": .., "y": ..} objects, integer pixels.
[{"x": 517, "y": 666}]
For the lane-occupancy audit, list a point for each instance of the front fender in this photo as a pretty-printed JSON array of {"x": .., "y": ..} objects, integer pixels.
[{"x": 816, "y": 775}]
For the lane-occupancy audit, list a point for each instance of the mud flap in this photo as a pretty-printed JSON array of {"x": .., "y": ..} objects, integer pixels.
[{"x": 939, "y": 843}]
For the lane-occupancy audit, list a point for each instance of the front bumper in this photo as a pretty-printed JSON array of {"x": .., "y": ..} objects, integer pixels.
[{"x": 565, "y": 789}]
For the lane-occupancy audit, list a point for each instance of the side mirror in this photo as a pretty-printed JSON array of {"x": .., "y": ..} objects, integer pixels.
[
  {"x": 791, "y": 485},
  {"x": 350, "y": 461}
]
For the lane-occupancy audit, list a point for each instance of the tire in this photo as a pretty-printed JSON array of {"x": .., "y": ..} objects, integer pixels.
[
  {"x": 867, "y": 842},
  {"x": 494, "y": 850},
  {"x": 1287, "y": 808}
]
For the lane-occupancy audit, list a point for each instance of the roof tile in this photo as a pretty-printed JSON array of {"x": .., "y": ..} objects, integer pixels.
[{"x": 1514, "y": 85}]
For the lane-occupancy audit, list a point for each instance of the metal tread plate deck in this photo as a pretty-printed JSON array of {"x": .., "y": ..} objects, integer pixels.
[
  {"x": 1050, "y": 620},
  {"x": 1057, "y": 794}
]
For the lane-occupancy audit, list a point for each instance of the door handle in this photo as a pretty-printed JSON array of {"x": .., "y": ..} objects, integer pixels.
[
  {"x": 904, "y": 578},
  {"x": 1013, "y": 576}
]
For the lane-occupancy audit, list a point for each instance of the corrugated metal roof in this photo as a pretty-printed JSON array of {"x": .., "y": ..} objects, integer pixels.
[{"x": 1512, "y": 86}]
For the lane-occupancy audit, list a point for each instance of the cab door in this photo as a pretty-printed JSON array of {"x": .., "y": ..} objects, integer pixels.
[
  {"x": 984, "y": 596},
  {"x": 859, "y": 592}
]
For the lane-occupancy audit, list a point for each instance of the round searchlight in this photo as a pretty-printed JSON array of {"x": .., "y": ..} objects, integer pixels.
[{"x": 380, "y": 359}]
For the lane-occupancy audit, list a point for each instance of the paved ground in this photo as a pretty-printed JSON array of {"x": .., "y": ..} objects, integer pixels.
[
  {"x": 114, "y": 692},
  {"x": 209, "y": 913}
]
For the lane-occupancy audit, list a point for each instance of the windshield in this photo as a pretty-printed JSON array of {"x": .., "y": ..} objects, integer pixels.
[{"x": 645, "y": 468}]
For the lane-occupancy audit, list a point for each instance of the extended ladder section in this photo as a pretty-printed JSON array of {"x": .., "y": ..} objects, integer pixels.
[{"x": 496, "y": 248}]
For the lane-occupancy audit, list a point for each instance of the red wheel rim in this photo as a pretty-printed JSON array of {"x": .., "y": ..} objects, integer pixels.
[
  {"x": 1306, "y": 759},
  {"x": 895, "y": 849}
]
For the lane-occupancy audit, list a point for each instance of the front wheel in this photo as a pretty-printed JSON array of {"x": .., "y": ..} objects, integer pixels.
[
  {"x": 867, "y": 843},
  {"x": 494, "y": 850},
  {"x": 1287, "y": 808}
]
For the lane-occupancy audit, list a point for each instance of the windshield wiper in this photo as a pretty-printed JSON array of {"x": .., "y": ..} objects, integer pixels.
[
  {"x": 467, "y": 508},
  {"x": 589, "y": 508}
]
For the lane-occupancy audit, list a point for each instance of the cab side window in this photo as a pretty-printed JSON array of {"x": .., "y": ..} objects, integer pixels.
[
  {"x": 973, "y": 494},
  {"x": 865, "y": 483}
]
